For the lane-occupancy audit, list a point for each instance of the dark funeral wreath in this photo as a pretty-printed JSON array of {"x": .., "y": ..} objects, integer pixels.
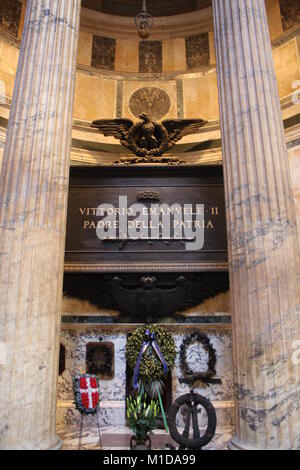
[
  {"x": 151, "y": 368},
  {"x": 190, "y": 377}
]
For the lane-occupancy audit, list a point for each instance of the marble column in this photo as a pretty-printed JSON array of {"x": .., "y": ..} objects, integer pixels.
[
  {"x": 33, "y": 204},
  {"x": 262, "y": 232}
]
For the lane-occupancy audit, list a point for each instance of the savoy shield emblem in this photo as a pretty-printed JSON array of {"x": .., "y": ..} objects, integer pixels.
[{"x": 86, "y": 393}]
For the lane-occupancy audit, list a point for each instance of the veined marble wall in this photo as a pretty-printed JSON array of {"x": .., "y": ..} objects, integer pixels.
[
  {"x": 9, "y": 56},
  {"x": 173, "y": 54},
  {"x": 75, "y": 338},
  {"x": 191, "y": 94},
  {"x": 183, "y": 66},
  {"x": 112, "y": 391},
  {"x": 103, "y": 92}
]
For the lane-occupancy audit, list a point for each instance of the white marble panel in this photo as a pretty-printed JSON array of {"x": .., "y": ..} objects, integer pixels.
[{"x": 113, "y": 391}]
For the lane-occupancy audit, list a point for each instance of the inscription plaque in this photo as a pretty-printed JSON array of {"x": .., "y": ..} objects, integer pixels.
[{"x": 146, "y": 219}]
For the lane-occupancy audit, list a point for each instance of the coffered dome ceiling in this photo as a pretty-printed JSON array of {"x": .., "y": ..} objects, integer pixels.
[{"x": 155, "y": 7}]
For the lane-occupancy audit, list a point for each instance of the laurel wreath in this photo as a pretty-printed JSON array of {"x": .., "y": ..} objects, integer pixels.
[{"x": 151, "y": 368}]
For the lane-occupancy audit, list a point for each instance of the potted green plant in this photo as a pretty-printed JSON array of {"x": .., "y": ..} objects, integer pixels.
[
  {"x": 141, "y": 414},
  {"x": 155, "y": 390}
]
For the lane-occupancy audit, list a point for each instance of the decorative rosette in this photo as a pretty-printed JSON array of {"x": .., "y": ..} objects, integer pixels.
[{"x": 86, "y": 393}]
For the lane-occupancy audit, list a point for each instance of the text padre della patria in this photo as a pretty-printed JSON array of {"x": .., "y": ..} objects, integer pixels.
[{"x": 186, "y": 222}]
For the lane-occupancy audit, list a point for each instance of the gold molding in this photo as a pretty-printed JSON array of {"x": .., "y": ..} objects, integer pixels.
[
  {"x": 124, "y": 328},
  {"x": 142, "y": 267}
]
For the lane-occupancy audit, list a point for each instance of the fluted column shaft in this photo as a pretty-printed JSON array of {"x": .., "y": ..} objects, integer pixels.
[
  {"x": 262, "y": 235},
  {"x": 33, "y": 198}
]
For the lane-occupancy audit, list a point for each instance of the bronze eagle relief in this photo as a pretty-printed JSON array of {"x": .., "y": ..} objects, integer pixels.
[{"x": 148, "y": 139}]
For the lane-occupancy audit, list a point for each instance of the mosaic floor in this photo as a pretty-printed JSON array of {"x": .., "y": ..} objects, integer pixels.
[{"x": 118, "y": 438}]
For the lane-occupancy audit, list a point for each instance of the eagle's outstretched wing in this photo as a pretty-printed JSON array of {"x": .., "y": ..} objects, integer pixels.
[
  {"x": 117, "y": 128},
  {"x": 178, "y": 128}
]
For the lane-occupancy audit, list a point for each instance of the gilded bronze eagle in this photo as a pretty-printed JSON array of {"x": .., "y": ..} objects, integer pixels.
[{"x": 148, "y": 138}]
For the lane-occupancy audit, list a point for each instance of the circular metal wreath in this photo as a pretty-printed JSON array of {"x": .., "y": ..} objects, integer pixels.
[
  {"x": 212, "y": 359},
  {"x": 189, "y": 400}
]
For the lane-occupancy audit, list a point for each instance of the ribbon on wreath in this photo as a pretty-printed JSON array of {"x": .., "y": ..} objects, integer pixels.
[{"x": 153, "y": 343}]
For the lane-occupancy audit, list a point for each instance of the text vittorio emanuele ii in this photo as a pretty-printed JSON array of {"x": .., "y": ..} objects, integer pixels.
[{"x": 185, "y": 222}]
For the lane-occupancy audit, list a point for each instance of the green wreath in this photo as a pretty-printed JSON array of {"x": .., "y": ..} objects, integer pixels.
[{"x": 151, "y": 368}]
